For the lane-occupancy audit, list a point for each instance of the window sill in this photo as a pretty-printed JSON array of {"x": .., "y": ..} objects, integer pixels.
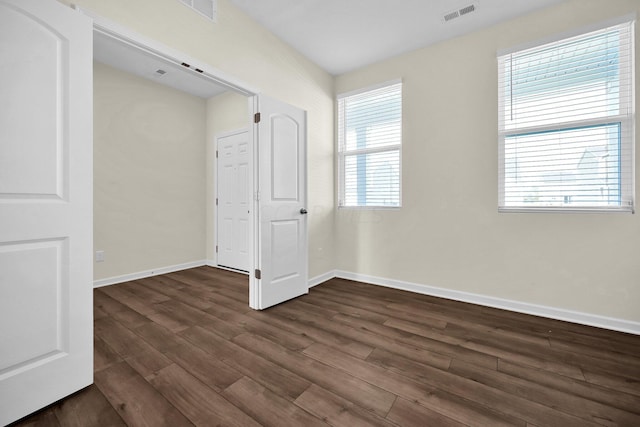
[
  {"x": 371, "y": 208},
  {"x": 563, "y": 210}
]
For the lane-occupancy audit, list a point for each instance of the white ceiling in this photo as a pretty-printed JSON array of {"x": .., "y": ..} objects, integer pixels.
[
  {"x": 338, "y": 35},
  {"x": 133, "y": 60},
  {"x": 343, "y": 35}
]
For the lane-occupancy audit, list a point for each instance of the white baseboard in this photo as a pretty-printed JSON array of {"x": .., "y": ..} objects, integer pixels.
[
  {"x": 314, "y": 281},
  {"x": 516, "y": 306},
  {"x": 147, "y": 273},
  {"x": 614, "y": 324}
]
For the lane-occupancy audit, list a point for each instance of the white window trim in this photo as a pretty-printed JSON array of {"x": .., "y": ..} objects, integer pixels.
[
  {"x": 340, "y": 154},
  {"x": 568, "y": 34},
  {"x": 368, "y": 88},
  {"x": 626, "y": 120}
]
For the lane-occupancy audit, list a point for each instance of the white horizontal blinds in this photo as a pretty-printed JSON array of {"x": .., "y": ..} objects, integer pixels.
[
  {"x": 577, "y": 167},
  {"x": 369, "y": 139},
  {"x": 566, "y": 123}
]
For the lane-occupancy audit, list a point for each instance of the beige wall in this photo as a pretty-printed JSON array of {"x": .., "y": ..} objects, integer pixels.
[
  {"x": 149, "y": 174},
  {"x": 448, "y": 233},
  {"x": 241, "y": 48}
]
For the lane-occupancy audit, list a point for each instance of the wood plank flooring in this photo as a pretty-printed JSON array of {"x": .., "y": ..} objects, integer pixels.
[{"x": 185, "y": 349}]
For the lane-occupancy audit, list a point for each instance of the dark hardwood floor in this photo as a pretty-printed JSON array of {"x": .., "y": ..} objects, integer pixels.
[{"x": 185, "y": 349}]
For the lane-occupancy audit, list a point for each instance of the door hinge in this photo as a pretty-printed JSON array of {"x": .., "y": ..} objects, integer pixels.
[
  {"x": 216, "y": 154},
  {"x": 258, "y": 274},
  {"x": 216, "y": 201},
  {"x": 256, "y": 118},
  {"x": 216, "y": 248}
]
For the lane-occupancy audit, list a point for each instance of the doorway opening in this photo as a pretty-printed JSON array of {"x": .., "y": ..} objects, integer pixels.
[
  {"x": 275, "y": 178},
  {"x": 162, "y": 127}
]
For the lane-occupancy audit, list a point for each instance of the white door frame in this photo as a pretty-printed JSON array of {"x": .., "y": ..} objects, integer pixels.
[
  {"x": 214, "y": 155},
  {"x": 124, "y": 35},
  {"x": 152, "y": 47},
  {"x": 149, "y": 46}
]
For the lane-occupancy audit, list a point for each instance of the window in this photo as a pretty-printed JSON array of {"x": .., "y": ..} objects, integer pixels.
[
  {"x": 566, "y": 124},
  {"x": 369, "y": 147}
]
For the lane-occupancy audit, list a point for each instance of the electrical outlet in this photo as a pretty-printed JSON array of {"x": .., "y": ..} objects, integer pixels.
[{"x": 99, "y": 256}]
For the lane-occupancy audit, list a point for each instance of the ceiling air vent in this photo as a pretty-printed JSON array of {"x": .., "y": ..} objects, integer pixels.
[
  {"x": 206, "y": 8},
  {"x": 467, "y": 9},
  {"x": 452, "y": 15},
  {"x": 459, "y": 12}
]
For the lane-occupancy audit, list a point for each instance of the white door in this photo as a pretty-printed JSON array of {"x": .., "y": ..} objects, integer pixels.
[
  {"x": 46, "y": 161},
  {"x": 234, "y": 200},
  {"x": 281, "y": 220}
]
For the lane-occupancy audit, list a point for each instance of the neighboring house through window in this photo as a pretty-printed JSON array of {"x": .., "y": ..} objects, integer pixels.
[
  {"x": 369, "y": 147},
  {"x": 566, "y": 123}
]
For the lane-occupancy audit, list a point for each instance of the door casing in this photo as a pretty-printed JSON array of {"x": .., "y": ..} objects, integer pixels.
[{"x": 149, "y": 46}]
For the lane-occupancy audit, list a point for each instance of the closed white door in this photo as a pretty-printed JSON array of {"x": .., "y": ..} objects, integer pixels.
[
  {"x": 46, "y": 299},
  {"x": 234, "y": 200},
  {"x": 281, "y": 238}
]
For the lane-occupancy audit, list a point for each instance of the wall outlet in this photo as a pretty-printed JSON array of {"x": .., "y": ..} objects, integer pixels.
[{"x": 99, "y": 256}]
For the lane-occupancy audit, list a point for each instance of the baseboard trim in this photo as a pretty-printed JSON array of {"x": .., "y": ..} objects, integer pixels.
[
  {"x": 147, "y": 273},
  {"x": 315, "y": 281},
  {"x": 598, "y": 321},
  {"x": 581, "y": 318}
]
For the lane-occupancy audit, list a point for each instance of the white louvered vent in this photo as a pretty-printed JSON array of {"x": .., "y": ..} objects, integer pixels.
[
  {"x": 206, "y": 8},
  {"x": 459, "y": 12},
  {"x": 451, "y": 15},
  {"x": 467, "y": 9}
]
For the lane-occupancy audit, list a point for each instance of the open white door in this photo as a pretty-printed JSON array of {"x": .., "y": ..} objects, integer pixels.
[
  {"x": 280, "y": 260},
  {"x": 46, "y": 146}
]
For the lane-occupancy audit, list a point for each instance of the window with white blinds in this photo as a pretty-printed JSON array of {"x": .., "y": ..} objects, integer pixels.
[
  {"x": 369, "y": 147},
  {"x": 566, "y": 124}
]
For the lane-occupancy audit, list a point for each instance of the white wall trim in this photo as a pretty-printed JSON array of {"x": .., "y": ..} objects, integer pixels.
[
  {"x": 314, "y": 281},
  {"x": 611, "y": 323},
  {"x": 152, "y": 47},
  {"x": 148, "y": 273}
]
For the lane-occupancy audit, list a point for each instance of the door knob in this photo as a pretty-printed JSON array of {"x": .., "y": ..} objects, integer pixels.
[{"x": 303, "y": 211}]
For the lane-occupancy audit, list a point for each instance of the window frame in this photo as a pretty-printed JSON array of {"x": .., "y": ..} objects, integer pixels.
[
  {"x": 343, "y": 154},
  {"x": 626, "y": 122}
]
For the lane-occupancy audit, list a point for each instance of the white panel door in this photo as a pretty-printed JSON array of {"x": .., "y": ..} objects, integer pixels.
[
  {"x": 46, "y": 299},
  {"x": 282, "y": 204},
  {"x": 234, "y": 200}
]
